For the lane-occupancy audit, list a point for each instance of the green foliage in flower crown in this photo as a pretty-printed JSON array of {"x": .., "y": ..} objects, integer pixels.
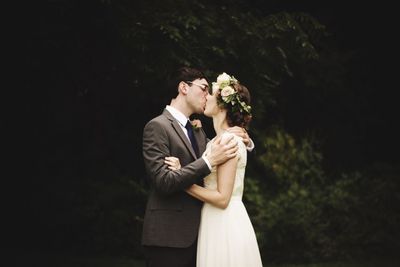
[{"x": 228, "y": 96}]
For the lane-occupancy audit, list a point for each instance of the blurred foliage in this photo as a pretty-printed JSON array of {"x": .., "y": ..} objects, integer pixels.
[{"x": 301, "y": 213}]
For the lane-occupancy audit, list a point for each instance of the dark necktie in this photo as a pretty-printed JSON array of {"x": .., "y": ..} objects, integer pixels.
[{"x": 189, "y": 129}]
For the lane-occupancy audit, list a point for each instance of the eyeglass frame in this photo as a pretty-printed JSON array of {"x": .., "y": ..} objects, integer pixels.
[{"x": 203, "y": 87}]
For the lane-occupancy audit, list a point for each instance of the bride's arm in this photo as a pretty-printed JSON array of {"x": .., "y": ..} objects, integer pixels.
[{"x": 225, "y": 181}]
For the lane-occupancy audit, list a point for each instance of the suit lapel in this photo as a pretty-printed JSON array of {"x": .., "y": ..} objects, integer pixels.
[
  {"x": 200, "y": 138},
  {"x": 177, "y": 127}
]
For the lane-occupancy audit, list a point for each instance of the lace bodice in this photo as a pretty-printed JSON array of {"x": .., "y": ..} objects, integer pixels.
[{"x": 210, "y": 181}]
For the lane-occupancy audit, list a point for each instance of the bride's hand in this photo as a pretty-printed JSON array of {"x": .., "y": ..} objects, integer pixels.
[{"x": 174, "y": 163}]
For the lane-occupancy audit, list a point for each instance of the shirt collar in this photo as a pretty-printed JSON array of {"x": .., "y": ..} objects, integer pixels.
[{"x": 179, "y": 116}]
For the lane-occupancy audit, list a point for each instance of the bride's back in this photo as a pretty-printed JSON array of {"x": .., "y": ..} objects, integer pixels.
[{"x": 210, "y": 181}]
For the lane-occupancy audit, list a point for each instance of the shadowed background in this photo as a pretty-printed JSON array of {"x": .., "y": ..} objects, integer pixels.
[{"x": 323, "y": 184}]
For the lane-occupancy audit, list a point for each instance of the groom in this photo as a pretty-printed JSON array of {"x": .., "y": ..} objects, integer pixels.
[{"x": 172, "y": 216}]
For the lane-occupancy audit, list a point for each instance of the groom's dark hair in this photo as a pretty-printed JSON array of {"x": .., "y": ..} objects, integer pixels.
[{"x": 182, "y": 74}]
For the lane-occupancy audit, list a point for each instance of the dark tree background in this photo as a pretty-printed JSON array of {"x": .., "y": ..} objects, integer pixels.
[{"x": 324, "y": 181}]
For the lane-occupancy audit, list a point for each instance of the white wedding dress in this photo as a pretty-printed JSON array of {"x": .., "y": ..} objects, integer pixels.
[{"x": 226, "y": 236}]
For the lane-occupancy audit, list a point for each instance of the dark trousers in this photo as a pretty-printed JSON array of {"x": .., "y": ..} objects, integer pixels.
[{"x": 171, "y": 257}]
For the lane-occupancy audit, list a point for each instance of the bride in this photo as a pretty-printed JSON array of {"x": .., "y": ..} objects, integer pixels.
[{"x": 226, "y": 235}]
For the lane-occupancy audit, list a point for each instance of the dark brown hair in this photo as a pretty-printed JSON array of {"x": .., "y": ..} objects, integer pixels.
[
  {"x": 182, "y": 74},
  {"x": 237, "y": 118}
]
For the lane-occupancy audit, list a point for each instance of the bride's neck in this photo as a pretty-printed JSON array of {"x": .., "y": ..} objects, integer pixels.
[{"x": 220, "y": 123}]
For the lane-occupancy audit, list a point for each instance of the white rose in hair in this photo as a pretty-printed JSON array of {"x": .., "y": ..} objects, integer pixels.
[
  {"x": 223, "y": 78},
  {"x": 227, "y": 91}
]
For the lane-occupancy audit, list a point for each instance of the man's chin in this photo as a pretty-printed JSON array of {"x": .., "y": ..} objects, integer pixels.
[{"x": 201, "y": 110}]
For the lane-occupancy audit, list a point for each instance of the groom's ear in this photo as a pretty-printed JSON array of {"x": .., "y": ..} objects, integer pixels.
[{"x": 182, "y": 88}]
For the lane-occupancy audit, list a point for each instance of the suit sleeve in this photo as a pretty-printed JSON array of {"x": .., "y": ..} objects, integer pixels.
[{"x": 156, "y": 146}]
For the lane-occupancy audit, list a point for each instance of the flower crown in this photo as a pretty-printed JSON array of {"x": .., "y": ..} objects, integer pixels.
[{"x": 229, "y": 95}]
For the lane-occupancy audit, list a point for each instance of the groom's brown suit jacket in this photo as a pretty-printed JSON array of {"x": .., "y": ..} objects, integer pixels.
[{"x": 172, "y": 216}]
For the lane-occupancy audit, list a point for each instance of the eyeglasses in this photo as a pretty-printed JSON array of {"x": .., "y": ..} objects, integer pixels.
[{"x": 203, "y": 87}]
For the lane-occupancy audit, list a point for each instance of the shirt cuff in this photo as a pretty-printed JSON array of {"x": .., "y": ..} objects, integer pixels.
[
  {"x": 207, "y": 162},
  {"x": 250, "y": 146}
]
